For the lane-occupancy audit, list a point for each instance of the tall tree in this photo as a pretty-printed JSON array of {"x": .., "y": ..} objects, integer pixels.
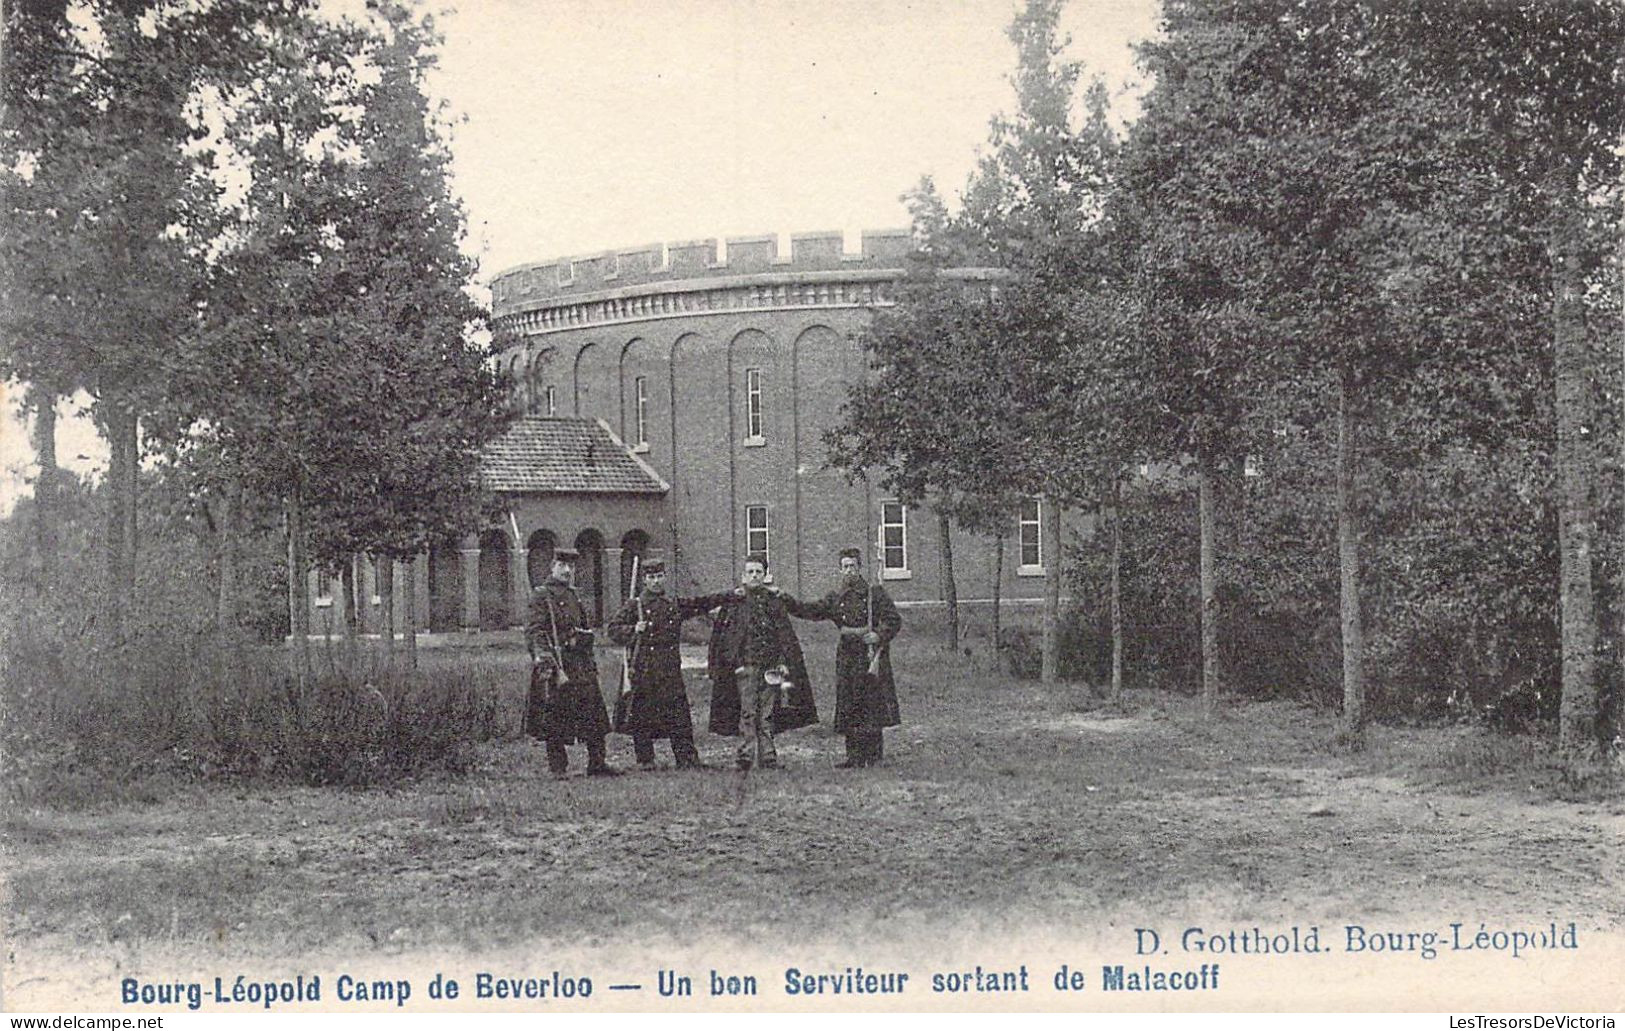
[
  {"x": 106, "y": 213},
  {"x": 1547, "y": 77},
  {"x": 267, "y": 388},
  {"x": 1034, "y": 207},
  {"x": 429, "y": 395},
  {"x": 928, "y": 357},
  {"x": 341, "y": 372},
  {"x": 1191, "y": 294}
]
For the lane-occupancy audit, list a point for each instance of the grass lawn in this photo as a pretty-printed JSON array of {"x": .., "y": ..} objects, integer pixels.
[{"x": 1006, "y": 813}]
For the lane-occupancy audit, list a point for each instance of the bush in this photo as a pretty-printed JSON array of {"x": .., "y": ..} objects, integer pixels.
[
  {"x": 348, "y": 727},
  {"x": 86, "y": 716},
  {"x": 198, "y": 710},
  {"x": 1084, "y": 653}
]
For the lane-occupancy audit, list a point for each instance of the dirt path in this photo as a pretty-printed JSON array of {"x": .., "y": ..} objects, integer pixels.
[{"x": 990, "y": 821}]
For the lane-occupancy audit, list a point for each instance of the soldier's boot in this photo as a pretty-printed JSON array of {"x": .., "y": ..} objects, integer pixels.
[
  {"x": 558, "y": 760},
  {"x": 854, "y": 753},
  {"x": 643, "y": 750},
  {"x": 683, "y": 750},
  {"x": 596, "y": 765}
]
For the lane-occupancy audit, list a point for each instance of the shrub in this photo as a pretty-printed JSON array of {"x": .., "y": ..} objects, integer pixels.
[
  {"x": 1083, "y": 652},
  {"x": 85, "y": 716}
]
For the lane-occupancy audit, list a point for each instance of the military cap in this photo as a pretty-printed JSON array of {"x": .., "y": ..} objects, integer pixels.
[
  {"x": 565, "y": 554},
  {"x": 758, "y": 558},
  {"x": 852, "y": 553},
  {"x": 654, "y": 565}
]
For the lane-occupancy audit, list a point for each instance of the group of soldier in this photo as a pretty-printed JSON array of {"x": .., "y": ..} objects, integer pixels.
[{"x": 759, "y": 681}]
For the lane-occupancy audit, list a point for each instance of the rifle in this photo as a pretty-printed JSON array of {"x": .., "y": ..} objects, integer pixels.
[
  {"x": 623, "y": 700},
  {"x": 880, "y": 557},
  {"x": 559, "y": 677},
  {"x": 632, "y": 649}
]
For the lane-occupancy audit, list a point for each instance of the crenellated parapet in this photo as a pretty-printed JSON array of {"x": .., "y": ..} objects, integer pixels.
[
  {"x": 542, "y": 282},
  {"x": 676, "y": 280}
]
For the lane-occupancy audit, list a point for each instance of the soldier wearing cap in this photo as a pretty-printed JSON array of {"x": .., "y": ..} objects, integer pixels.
[
  {"x": 650, "y": 626},
  {"x": 865, "y": 693},
  {"x": 565, "y": 704},
  {"x": 759, "y": 683}
]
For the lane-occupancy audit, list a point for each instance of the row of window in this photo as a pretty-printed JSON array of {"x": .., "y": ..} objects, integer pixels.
[
  {"x": 894, "y": 537},
  {"x": 893, "y": 543},
  {"x": 548, "y": 404}
]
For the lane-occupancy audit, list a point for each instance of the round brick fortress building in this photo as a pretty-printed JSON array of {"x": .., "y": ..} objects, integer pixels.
[
  {"x": 675, "y": 400},
  {"x": 721, "y": 374}
]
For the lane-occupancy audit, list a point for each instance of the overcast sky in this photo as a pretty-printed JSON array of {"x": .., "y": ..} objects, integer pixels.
[{"x": 585, "y": 125}]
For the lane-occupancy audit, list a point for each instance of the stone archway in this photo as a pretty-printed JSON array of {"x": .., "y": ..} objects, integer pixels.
[
  {"x": 634, "y": 546},
  {"x": 539, "y": 550}
]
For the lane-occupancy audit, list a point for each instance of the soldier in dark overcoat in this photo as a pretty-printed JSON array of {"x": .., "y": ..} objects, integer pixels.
[
  {"x": 865, "y": 702},
  {"x": 565, "y": 704},
  {"x": 754, "y": 644},
  {"x": 657, "y": 706}
]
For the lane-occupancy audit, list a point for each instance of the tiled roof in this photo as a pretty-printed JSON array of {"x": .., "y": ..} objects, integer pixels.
[{"x": 553, "y": 455}]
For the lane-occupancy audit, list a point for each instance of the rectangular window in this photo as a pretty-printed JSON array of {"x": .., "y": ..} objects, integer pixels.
[
  {"x": 756, "y": 530},
  {"x": 1030, "y": 539},
  {"x": 753, "y": 404},
  {"x": 551, "y": 404},
  {"x": 324, "y": 589},
  {"x": 893, "y": 540},
  {"x": 641, "y": 402}
]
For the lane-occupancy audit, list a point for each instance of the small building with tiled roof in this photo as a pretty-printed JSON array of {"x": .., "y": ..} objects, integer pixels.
[
  {"x": 559, "y": 455},
  {"x": 561, "y": 481},
  {"x": 565, "y": 481}
]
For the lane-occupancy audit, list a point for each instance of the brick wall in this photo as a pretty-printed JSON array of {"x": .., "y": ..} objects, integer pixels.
[{"x": 798, "y": 322}]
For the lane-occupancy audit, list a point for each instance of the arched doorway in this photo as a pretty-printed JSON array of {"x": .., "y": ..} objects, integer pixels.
[
  {"x": 634, "y": 546},
  {"x": 496, "y": 608},
  {"x": 590, "y": 574},
  {"x": 539, "y": 556},
  {"x": 445, "y": 588}
]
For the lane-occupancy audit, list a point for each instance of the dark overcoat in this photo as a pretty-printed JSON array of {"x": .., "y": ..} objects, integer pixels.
[
  {"x": 792, "y": 709},
  {"x": 863, "y": 701},
  {"x": 565, "y": 703},
  {"x": 658, "y": 705}
]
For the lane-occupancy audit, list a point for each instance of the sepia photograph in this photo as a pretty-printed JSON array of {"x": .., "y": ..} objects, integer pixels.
[{"x": 844, "y": 506}]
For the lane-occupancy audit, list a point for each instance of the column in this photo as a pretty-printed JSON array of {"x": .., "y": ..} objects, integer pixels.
[
  {"x": 469, "y": 554},
  {"x": 419, "y": 586},
  {"x": 613, "y": 598},
  {"x": 519, "y": 573}
]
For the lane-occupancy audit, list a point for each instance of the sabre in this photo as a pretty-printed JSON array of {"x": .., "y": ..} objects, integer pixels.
[{"x": 632, "y": 650}]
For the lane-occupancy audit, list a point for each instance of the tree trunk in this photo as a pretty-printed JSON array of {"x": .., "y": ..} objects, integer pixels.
[
  {"x": 1577, "y": 719},
  {"x": 46, "y": 488},
  {"x": 351, "y": 631},
  {"x": 1117, "y": 591},
  {"x": 998, "y": 592},
  {"x": 298, "y": 600},
  {"x": 386, "y": 601},
  {"x": 411, "y": 630},
  {"x": 123, "y": 459},
  {"x": 950, "y": 590},
  {"x": 226, "y": 543},
  {"x": 1050, "y": 526},
  {"x": 1209, "y": 589},
  {"x": 1348, "y": 560}
]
